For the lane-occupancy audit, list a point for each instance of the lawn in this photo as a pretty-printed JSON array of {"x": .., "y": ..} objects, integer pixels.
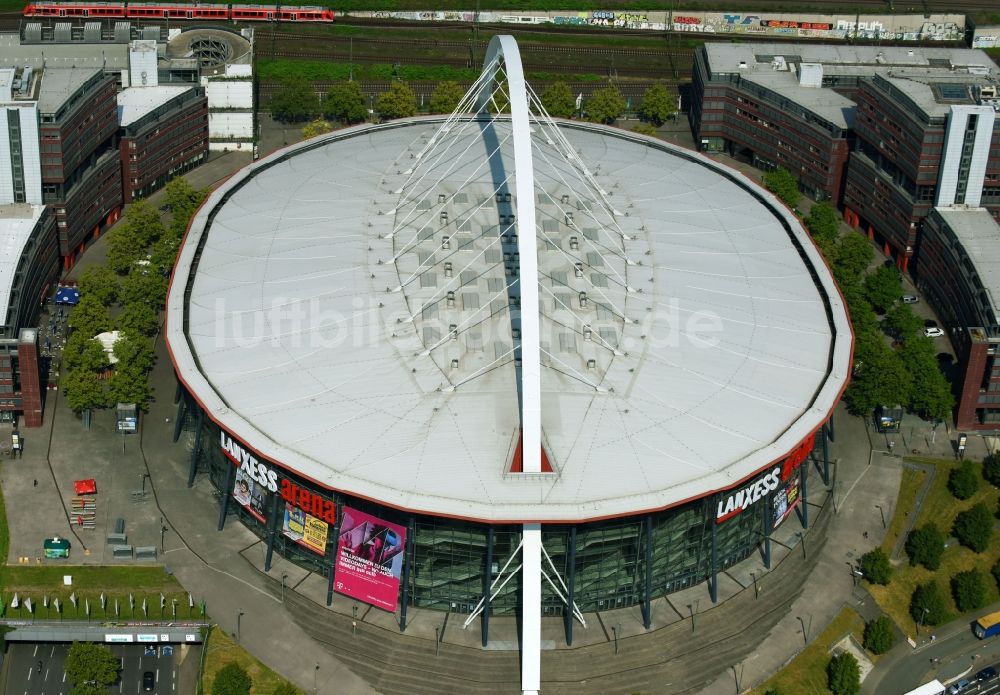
[
  {"x": 909, "y": 486},
  {"x": 806, "y": 673},
  {"x": 941, "y": 507},
  {"x": 221, "y": 649}
]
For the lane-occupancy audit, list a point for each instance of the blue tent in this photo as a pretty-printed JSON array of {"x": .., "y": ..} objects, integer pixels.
[{"x": 68, "y": 295}]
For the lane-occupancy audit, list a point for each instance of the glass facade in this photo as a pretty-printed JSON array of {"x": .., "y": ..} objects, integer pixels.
[{"x": 448, "y": 558}]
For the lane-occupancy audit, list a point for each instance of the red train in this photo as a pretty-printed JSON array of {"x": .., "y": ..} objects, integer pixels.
[{"x": 198, "y": 11}]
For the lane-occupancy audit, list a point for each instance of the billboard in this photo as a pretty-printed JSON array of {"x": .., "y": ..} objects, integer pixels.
[
  {"x": 783, "y": 501},
  {"x": 251, "y": 494},
  {"x": 369, "y": 559},
  {"x": 305, "y": 529}
]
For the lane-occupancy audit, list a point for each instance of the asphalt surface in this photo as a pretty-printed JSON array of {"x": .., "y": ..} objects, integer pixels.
[{"x": 38, "y": 669}]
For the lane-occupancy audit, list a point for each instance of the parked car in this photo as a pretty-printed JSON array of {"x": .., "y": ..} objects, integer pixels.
[
  {"x": 934, "y": 332},
  {"x": 148, "y": 681},
  {"x": 910, "y": 299},
  {"x": 987, "y": 674},
  {"x": 959, "y": 687}
]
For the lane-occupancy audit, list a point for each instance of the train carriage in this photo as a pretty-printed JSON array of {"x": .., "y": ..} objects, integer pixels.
[
  {"x": 193, "y": 11},
  {"x": 70, "y": 9}
]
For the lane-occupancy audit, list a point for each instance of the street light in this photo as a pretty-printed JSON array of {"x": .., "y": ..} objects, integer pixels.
[
  {"x": 284, "y": 576},
  {"x": 163, "y": 533},
  {"x": 756, "y": 591},
  {"x": 239, "y": 619},
  {"x": 923, "y": 617},
  {"x": 316, "y": 679},
  {"x": 881, "y": 513},
  {"x": 693, "y": 608},
  {"x": 614, "y": 631}
]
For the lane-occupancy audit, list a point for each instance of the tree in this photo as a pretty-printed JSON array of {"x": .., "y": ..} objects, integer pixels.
[
  {"x": 883, "y": 380},
  {"x": 969, "y": 590},
  {"x": 83, "y": 353},
  {"x": 138, "y": 318},
  {"x": 879, "y": 635},
  {"x": 316, "y": 127},
  {"x": 85, "y": 390},
  {"x": 558, "y": 101},
  {"x": 398, "y": 102},
  {"x": 445, "y": 97},
  {"x": 996, "y": 573},
  {"x": 644, "y": 129},
  {"x": 182, "y": 197},
  {"x": 345, "y": 102},
  {"x": 144, "y": 287},
  {"x": 963, "y": 482},
  {"x": 991, "y": 469},
  {"x": 100, "y": 281},
  {"x": 133, "y": 350},
  {"x": 605, "y": 105},
  {"x": 296, "y": 102},
  {"x": 128, "y": 385},
  {"x": 930, "y": 393},
  {"x": 843, "y": 676},
  {"x": 925, "y": 546},
  {"x": 783, "y": 184},
  {"x": 876, "y": 567},
  {"x": 853, "y": 255},
  {"x": 928, "y": 605},
  {"x": 124, "y": 247},
  {"x": 232, "y": 679},
  {"x": 144, "y": 223},
  {"x": 823, "y": 225},
  {"x": 974, "y": 528},
  {"x": 902, "y": 323},
  {"x": 89, "y": 317},
  {"x": 657, "y": 105},
  {"x": 164, "y": 254},
  {"x": 87, "y": 661},
  {"x": 883, "y": 287}
]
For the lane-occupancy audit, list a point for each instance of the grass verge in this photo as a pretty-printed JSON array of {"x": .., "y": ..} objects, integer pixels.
[
  {"x": 806, "y": 673},
  {"x": 942, "y": 508},
  {"x": 222, "y": 649},
  {"x": 909, "y": 486}
]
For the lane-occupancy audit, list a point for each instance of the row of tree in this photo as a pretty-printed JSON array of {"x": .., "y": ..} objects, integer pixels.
[
  {"x": 298, "y": 102},
  {"x": 894, "y": 363},
  {"x": 141, "y": 253}
]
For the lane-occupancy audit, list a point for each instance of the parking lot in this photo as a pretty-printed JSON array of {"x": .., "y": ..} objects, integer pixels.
[{"x": 38, "y": 669}]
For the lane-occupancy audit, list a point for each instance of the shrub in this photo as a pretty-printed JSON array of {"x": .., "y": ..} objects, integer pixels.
[
  {"x": 974, "y": 528},
  {"x": 991, "y": 470},
  {"x": 879, "y": 635},
  {"x": 963, "y": 482},
  {"x": 783, "y": 184},
  {"x": 996, "y": 573},
  {"x": 875, "y": 566},
  {"x": 843, "y": 676},
  {"x": 232, "y": 679},
  {"x": 928, "y": 605},
  {"x": 925, "y": 546},
  {"x": 969, "y": 590}
]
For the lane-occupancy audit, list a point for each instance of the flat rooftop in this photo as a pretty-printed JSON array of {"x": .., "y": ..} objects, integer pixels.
[
  {"x": 106, "y": 56},
  {"x": 979, "y": 235},
  {"x": 691, "y": 334},
  {"x": 17, "y": 221},
  {"x": 58, "y": 84},
  {"x": 136, "y": 102}
]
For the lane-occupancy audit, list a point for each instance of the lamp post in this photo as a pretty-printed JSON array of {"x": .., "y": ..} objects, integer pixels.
[
  {"x": 614, "y": 631},
  {"x": 163, "y": 533},
  {"x": 881, "y": 514},
  {"x": 805, "y": 630},
  {"x": 756, "y": 591},
  {"x": 316, "y": 679},
  {"x": 239, "y": 620},
  {"x": 284, "y": 576},
  {"x": 923, "y": 616}
]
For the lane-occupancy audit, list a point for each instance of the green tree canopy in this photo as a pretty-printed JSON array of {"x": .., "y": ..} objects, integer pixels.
[
  {"x": 296, "y": 102},
  {"x": 134, "y": 351},
  {"x": 925, "y": 546},
  {"x": 559, "y": 101},
  {"x": 100, "y": 281},
  {"x": 883, "y": 287},
  {"x": 145, "y": 222},
  {"x": 164, "y": 254},
  {"x": 83, "y": 353},
  {"x": 445, "y": 97},
  {"x": 902, "y": 323},
  {"x": 928, "y": 605},
  {"x": 316, "y": 127},
  {"x": 854, "y": 253},
  {"x": 783, "y": 184},
  {"x": 182, "y": 197},
  {"x": 605, "y": 105},
  {"x": 144, "y": 287},
  {"x": 124, "y": 247},
  {"x": 129, "y": 384},
  {"x": 657, "y": 105},
  {"x": 89, "y": 317},
  {"x": 882, "y": 380},
  {"x": 963, "y": 482},
  {"x": 138, "y": 318},
  {"x": 930, "y": 393},
  {"x": 991, "y": 469},
  {"x": 824, "y": 224},
  {"x": 974, "y": 527},
  {"x": 879, "y": 635},
  {"x": 345, "y": 102},
  {"x": 843, "y": 676},
  {"x": 85, "y": 390},
  {"x": 232, "y": 679},
  {"x": 969, "y": 590},
  {"x": 876, "y": 567},
  {"x": 398, "y": 102},
  {"x": 995, "y": 571},
  {"x": 87, "y": 661}
]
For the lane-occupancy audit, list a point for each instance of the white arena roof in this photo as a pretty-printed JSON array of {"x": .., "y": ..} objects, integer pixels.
[{"x": 348, "y": 317}]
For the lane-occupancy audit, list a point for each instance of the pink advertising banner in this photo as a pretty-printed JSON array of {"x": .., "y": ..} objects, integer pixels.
[{"x": 369, "y": 559}]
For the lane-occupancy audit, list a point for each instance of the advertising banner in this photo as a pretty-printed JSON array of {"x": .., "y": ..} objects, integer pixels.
[
  {"x": 369, "y": 559},
  {"x": 305, "y": 529},
  {"x": 251, "y": 494},
  {"x": 784, "y": 500}
]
